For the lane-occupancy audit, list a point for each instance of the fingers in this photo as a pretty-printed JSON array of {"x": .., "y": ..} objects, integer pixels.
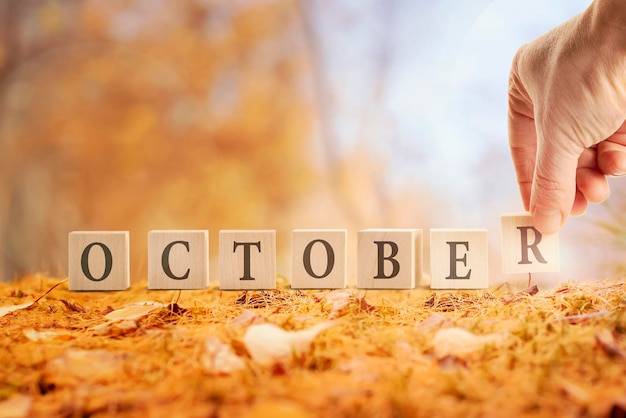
[
  {"x": 555, "y": 182},
  {"x": 554, "y": 188},
  {"x": 612, "y": 153},
  {"x": 556, "y": 176},
  {"x": 522, "y": 135},
  {"x": 522, "y": 131},
  {"x": 556, "y": 194},
  {"x": 580, "y": 204},
  {"x": 591, "y": 183},
  {"x": 523, "y": 143},
  {"x": 547, "y": 180}
]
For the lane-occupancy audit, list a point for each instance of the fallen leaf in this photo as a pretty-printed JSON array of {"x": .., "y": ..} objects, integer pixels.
[
  {"x": 124, "y": 320},
  {"x": 105, "y": 311},
  {"x": 268, "y": 343},
  {"x": 116, "y": 328},
  {"x": 77, "y": 367},
  {"x": 334, "y": 295},
  {"x": 246, "y": 318},
  {"x": 365, "y": 306},
  {"x": 220, "y": 358},
  {"x": 363, "y": 369},
  {"x": 34, "y": 335},
  {"x": 254, "y": 300},
  {"x": 338, "y": 299},
  {"x": 6, "y": 309},
  {"x": 341, "y": 300},
  {"x": 451, "y": 362},
  {"x": 451, "y": 302},
  {"x": 16, "y": 406},
  {"x": 531, "y": 291},
  {"x": 458, "y": 342},
  {"x": 279, "y": 368},
  {"x": 11, "y": 308},
  {"x": 432, "y": 322},
  {"x": 606, "y": 341},
  {"x": 575, "y": 392},
  {"x": 74, "y": 307},
  {"x": 133, "y": 311},
  {"x": 578, "y": 319},
  {"x": 409, "y": 353}
]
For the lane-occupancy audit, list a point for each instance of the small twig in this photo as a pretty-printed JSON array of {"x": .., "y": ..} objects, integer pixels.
[
  {"x": 47, "y": 291},
  {"x": 173, "y": 306},
  {"x": 577, "y": 319},
  {"x": 529, "y": 278}
]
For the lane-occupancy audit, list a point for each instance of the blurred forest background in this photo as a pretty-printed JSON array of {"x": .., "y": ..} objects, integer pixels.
[{"x": 276, "y": 114}]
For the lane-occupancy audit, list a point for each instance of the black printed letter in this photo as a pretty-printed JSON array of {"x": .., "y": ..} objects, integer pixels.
[
  {"x": 165, "y": 260},
  {"x": 108, "y": 262},
  {"x": 330, "y": 256},
  {"x": 525, "y": 247},
  {"x": 454, "y": 260},
  {"x": 246, "y": 257},
  {"x": 381, "y": 259}
]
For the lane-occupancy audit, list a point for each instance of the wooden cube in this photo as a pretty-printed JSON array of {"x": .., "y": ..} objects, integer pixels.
[
  {"x": 459, "y": 259},
  {"x": 526, "y": 250},
  {"x": 247, "y": 259},
  {"x": 389, "y": 258},
  {"x": 99, "y": 260},
  {"x": 178, "y": 259},
  {"x": 319, "y": 259}
]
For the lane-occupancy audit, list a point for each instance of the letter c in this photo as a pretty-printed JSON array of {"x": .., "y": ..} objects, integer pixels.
[{"x": 165, "y": 260}]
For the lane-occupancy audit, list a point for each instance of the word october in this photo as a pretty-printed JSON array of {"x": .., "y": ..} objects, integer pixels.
[{"x": 386, "y": 258}]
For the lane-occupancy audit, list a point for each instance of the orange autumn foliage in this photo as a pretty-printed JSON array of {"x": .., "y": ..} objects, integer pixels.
[{"x": 125, "y": 115}]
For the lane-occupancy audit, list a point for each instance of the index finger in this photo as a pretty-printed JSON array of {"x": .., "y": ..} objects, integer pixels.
[{"x": 523, "y": 142}]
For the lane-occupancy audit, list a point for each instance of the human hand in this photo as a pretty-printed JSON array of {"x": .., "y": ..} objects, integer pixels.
[{"x": 567, "y": 112}]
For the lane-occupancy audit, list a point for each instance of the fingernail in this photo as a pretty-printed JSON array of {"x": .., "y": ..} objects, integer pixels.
[{"x": 547, "y": 221}]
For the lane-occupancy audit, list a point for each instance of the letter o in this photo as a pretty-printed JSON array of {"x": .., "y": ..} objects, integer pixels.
[
  {"x": 108, "y": 261},
  {"x": 330, "y": 255}
]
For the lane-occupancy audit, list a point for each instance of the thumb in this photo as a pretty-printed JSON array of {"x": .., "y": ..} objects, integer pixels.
[{"x": 554, "y": 186}]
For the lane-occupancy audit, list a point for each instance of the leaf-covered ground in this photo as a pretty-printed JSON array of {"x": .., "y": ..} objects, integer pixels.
[{"x": 285, "y": 353}]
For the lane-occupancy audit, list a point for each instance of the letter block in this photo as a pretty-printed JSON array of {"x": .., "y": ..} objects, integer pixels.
[
  {"x": 319, "y": 259},
  {"x": 178, "y": 259},
  {"x": 525, "y": 249},
  {"x": 247, "y": 259},
  {"x": 389, "y": 258},
  {"x": 98, "y": 260},
  {"x": 459, "y": 259}
]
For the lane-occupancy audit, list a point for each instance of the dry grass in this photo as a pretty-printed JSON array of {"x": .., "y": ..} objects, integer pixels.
[{"x": 562, "y": 353}]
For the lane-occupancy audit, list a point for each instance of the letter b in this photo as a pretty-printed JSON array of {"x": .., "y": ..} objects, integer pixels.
[
  {"x": 382, "y": 258},
  {"x": 389, "y": 258}
]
